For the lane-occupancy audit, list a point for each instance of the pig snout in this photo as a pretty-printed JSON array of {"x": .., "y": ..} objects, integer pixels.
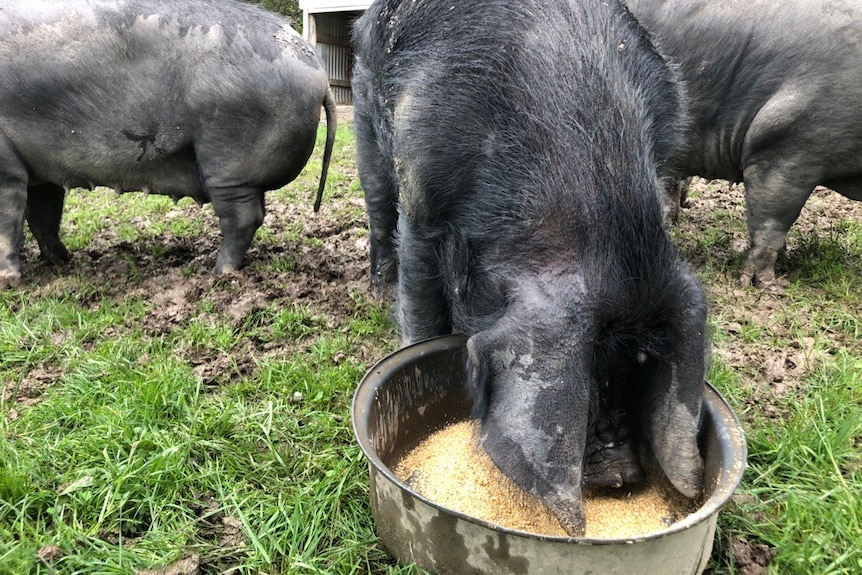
[{"x": 612, "y": 458}]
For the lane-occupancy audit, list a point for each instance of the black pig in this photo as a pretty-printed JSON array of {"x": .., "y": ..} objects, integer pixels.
[
  {"x": 508, "y": 152},
  {"x": 776, "y": 102},
  {"x": 210, "y": 99}
]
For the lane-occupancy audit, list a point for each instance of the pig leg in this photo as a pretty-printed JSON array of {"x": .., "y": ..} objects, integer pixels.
[
  {"x": 421, "y": 310},
  {"x": 773, "y": 198},
  {"x": 44, "y": 212},
  {"x": 674, "y": 196},
  {"x": 379, "y": 183},
  {"x": 240, "y": 212},
  {"x": 13, "y": 203}
]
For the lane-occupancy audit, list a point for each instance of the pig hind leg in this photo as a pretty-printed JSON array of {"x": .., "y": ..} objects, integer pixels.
[
  {"x": 232, "y": 185},
  {"x": 240, "y": 213},
  {"x": 773, "y": 200},
  {"x": 44, "y": 212}
]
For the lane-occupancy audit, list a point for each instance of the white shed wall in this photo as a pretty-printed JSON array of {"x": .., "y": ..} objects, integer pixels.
[{"x": 326, "y": 25}]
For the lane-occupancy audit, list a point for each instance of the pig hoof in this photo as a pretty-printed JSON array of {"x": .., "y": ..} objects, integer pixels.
[
  {"x": 762, "y": 278},
  {"x": 746, "y": 279},
  {"x": 56, "y": 255},
  {"x": 10, "y": 280},
  {"x": 383, "y": 279},
  {"x": 382, "y": 293},
  {"x": 227, "y": 270},
  {"x": 771, "y": 283}
]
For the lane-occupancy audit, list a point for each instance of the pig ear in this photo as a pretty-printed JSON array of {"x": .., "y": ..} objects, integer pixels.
[
  {"x": 672, "y": 426},
  {"x": 477, "y": 372},
  {"x": 479, "y": 367},
  {"x": 672, "y": 413}
]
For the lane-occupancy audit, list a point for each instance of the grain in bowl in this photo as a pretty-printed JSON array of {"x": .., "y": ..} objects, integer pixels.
[{"x": 450, "y": 468}]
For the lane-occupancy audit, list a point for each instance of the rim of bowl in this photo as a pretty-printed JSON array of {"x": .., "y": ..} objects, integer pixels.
[{"x": 730, "y": 435}]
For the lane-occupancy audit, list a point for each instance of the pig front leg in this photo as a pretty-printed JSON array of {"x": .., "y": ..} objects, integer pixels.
[
  {"x": 421, "y": 309},
  {"x": 240, "y": 212},
  {"x": 43, "y": 214},
  {"x": 379, "y": 183},
  {"x": 381, "y": 198},
  {"x": 13, "y": 203}
]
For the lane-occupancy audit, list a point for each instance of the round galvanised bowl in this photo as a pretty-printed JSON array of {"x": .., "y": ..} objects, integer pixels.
[{"x": 420, "y": 389}]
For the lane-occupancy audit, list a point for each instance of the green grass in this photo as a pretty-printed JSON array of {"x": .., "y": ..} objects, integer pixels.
[
  {"x": 112, "y": 464},
  {"x": 802, "y": 493},
  {"x": 133, "y": 435}
]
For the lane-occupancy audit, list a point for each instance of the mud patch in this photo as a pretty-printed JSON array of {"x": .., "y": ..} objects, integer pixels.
[{"x": 751, "y": 558}]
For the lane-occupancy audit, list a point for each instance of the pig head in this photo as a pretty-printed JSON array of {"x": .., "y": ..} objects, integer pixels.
[{"x": 565, "y": 391}]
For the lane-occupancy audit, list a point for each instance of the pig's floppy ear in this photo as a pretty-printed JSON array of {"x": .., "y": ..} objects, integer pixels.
[
  {"x": 479, "y": 367},
  {"x": 671, "y": 415},
  {"x": 672, "y": 426},
  {"x": 477, "y": 372}
]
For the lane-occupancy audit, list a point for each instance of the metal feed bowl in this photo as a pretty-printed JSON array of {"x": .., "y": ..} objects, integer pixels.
[{"x": 420, "y": 389}]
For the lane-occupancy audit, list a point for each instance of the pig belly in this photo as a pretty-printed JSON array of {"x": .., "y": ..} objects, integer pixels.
[{"x": 174, "y": 175}]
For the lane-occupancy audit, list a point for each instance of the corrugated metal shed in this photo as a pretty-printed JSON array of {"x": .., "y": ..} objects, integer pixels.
[{"x": 326, "y": 25}]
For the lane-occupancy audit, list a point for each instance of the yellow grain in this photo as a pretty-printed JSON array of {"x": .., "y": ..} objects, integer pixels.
[{"x": 450, "y": 468}]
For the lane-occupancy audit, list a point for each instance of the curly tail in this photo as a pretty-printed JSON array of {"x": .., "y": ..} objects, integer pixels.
[{"x": 331, "y": 126}]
